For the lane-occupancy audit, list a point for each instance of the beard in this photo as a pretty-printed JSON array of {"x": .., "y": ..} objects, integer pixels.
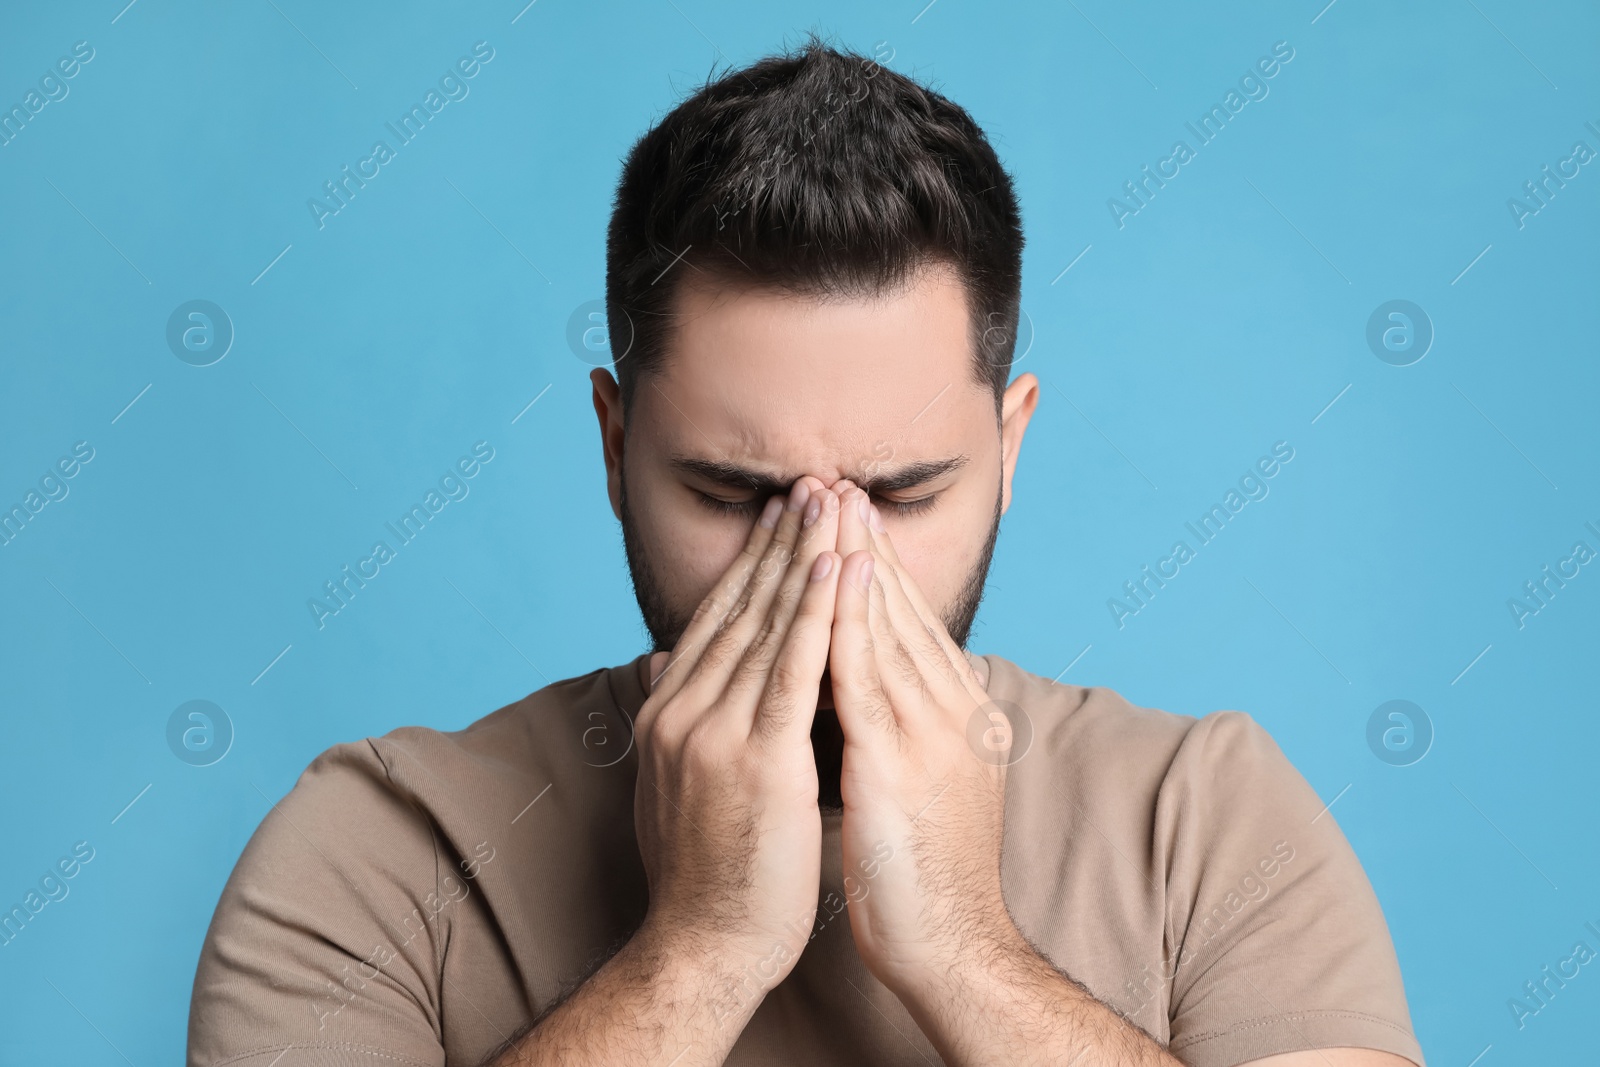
[{"x": 667, "y": 622}]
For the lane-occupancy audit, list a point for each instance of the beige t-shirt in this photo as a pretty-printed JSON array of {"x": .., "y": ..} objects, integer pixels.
[{"x": 418, "y": 898}]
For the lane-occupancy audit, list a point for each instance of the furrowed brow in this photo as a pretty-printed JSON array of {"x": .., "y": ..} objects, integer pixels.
[
  {"x": 720, "y": 472},
  {"x": 911, "y": 475},
  {"x": 731, "y": 475}
]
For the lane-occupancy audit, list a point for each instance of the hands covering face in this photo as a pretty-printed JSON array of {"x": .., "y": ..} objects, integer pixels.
[
  {"x": 725, "y": 806},
  {"x": 911, "y": 780}
]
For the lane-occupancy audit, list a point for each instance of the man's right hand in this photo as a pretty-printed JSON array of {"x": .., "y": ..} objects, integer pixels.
[{"x": 725, "y": 808}]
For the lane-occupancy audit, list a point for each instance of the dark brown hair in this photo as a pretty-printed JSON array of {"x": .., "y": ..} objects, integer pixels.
[{"x": 820, "y": 172}]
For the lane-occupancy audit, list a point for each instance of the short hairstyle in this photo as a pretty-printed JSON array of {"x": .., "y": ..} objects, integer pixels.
[{"x": 818, "y": 172}]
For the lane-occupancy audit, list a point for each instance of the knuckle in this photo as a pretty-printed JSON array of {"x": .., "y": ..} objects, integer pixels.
[
  {"x": 786, "y": 684},
  {"x": 767, "y": 638},
  {"x": 775, "y": 561},
  {"x": 714, "y": 604},
  {"x": 783, "y": 603},
  {"x": 717, "y": 651},
  {"x": 703, "y": 744},
  {"x": 753, "y": 665},
  {"x": 767, "y": 645},
  {"x": 907, "y": 667},
  {"x": 783, "y": 682},
  {"x": 734, "y": 613},
  {"x": 753, "y": 550},
  {"x": 665, "y": 733},
  {"x": 862, "y": 680},
  {"x": 723, "y": 645},
  {"x": 875, "y": 706}
]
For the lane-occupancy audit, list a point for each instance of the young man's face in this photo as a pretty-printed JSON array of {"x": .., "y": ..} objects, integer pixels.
[{"x": 762, "y": 386}]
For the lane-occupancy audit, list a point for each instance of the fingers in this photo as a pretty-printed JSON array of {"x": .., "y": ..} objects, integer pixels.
[
  {"x": 788, "y": 704},
  {"x": 854, "y": 511},
  {"x": 893, "y": 627},
  {"x": 920, "y": 629},
  {"x": 859, "y": 699},
  {"x": 668, "y": 678},
  {"x": 744, "y": 619},
  {"x": 819, "y": 524},
  {"x": 914, "y": 651}
]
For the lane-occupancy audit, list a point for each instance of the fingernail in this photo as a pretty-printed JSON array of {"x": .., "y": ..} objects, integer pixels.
[
  {"x": 865, "y": 571},
  {"x": 813, "y": 511},
  {"x": 820, "y": 569},
  {"x": 799, "y": 495},
  {"x": 877, "y": 519},
  {"x": 864, "y": 506},
  {"x": 769, "y": 514}
]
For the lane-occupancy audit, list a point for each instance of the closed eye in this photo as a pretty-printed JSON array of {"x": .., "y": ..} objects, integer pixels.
[
  {"x": 909, "y": 507},
  {"x": 728, "y": 507},
  {"x": 749, "y": 507}
]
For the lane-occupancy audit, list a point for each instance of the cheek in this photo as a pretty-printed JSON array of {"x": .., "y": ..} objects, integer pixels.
[
  {"x": 940, "y": 549},
  {"x": 936, "y": 564},
  {"x": 698, "y": 557},
  {"x": 689, "y": 546}
]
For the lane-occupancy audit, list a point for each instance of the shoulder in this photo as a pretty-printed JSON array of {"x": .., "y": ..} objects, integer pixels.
[
  {"x": 1160, "y": 784},
  {"x": 379, "y": 858},
  {"x": 1100, "y": 732},
  {"x": 386, "y": 802},
  {"x": 554, "y": 734}
]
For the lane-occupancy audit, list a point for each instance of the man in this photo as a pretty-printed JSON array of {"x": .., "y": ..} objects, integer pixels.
[{"x": 808, "y": 827}]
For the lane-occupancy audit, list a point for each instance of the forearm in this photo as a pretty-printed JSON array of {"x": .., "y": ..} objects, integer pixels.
[
  {"x": 659, "y": 1000},
  {"x": 1003, "y": 1004}
]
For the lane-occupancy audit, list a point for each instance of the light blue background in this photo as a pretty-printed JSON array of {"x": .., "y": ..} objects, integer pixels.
[{"x": 1223, "y": 317}]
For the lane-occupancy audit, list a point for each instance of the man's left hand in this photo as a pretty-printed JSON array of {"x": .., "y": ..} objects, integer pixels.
[{"x": 923, "y": 811}]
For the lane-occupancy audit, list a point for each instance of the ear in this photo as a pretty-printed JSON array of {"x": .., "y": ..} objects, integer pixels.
[
  {"x": 608, "y": 409},
  {"x": 1016, "y": 408}
]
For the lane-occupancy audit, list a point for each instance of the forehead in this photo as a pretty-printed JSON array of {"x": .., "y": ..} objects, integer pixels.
[{"x": 818, "y": 384}]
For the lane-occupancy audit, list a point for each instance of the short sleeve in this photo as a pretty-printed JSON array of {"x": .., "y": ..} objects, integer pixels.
[
  {"x": 324, "y": 946},
  {"x": 1276, "y": 939}
]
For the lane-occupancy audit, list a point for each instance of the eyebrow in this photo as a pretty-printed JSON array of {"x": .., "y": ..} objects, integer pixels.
[{"x": 905, "y": 476}]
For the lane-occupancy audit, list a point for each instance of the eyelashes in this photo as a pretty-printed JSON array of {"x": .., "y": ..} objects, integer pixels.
[
  {"x": 728, "y": 507},
  {"x": 909, "y": 507},
  {"x": 751, "y": 506}
]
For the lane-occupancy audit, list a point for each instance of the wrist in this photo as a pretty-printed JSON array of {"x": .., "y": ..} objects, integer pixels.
[
  {"x": 718, "y": 974},
  {"x": 988, "y": 957},
  {"x": 971, "y": 1005}
]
